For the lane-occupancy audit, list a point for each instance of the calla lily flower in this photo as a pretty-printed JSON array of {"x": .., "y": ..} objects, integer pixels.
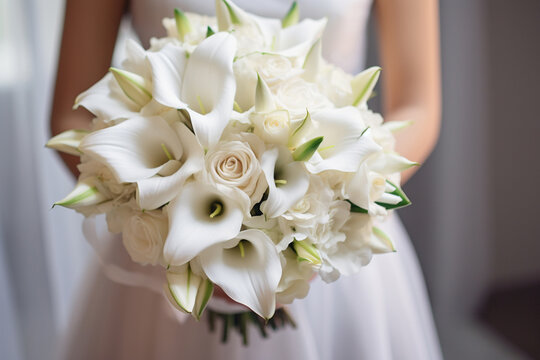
[
  {"x": 188, "y": 291},
  {"x": 150, "y": 152},
  {"x": 247, "y": 268},
  {"x": 68, "y": 141},
  {"x": 203, "y": 84},
  {"x": 107, "y": 99},
  {"x": 199, "y": 217},
  {"x": 84, "y": 194},
  {"x": 347, "y": 142},
  {"x": 362, "y": 85},
  {"x": 293, "y": 40},
  {"x": 287, "y": 181}
]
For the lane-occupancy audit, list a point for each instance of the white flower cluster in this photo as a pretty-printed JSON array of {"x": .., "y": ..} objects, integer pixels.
[{"x": 231, "y": 153}]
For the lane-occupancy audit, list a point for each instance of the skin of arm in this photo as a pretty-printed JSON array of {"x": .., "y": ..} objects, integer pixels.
[
  {"x": 409, "y": 45},
  {"x": 89, "y": 35}
]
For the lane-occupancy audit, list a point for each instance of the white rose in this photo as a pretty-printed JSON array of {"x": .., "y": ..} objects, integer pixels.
[
  {"x": 272, "y": 127},
  {"x": 298, "y": 95},
  {"x": 143, "y": 236},
  {"x": 273, "y": 69},
  {"x": 336, "y": 85},
  {"x": 235, "y": 165}
]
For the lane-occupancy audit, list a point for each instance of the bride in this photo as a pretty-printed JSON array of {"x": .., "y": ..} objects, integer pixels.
[{"x": 381, "y": 313}]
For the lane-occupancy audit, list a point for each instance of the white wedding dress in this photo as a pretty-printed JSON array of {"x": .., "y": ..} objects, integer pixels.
[{"x": 382, "y": 313}]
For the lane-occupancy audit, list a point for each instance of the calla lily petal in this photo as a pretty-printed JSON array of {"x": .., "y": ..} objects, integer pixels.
[
  {"x": 106, "y": 100},
  {"x": 182, "y": 287},
  {"x": 381, "y": 243},
  {"x": 133, "y": 149},
  {"x": 346, "y": 142},
  {"x": 134, "y": 86},
  {"x": 168, "y": 67},
  {"x": 313, "y": 62},
  {"x": 294, "y": 178},
  {"x": 362, "y": 85},
  {"x": 390, "y": 163},
  {"x": 84, "y": 194},
  {"x": 68, "y": 141},
  {"x": 156, "y": 191},
  {"x": 209, "y": 87},
  {"x": 195, "y": 225},
  {"x": 297, "y": 40},
  {"x": 292, "y": 16},
  {"x": 249, "y": 275},
  {"x": 136, "y": 59},
  {"x": 206, "y": 289},
  {"x": 264, "y": 100},
  {"x": 397, "y": 125}
]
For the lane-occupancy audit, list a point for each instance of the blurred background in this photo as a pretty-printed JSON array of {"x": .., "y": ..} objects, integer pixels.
[{"x": 474, "y": 221}]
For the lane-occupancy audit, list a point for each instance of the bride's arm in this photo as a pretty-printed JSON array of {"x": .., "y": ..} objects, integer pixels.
[
  {"x": 90, "y": 30},
  {"x": 409, "y": 44}
]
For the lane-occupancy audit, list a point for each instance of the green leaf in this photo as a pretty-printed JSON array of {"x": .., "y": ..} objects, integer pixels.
[
  {"x": 363, "y": 84},
  {"x": 305, "y": 151},
  {"x": 68, "y": 141},
  {"x": 209, "y": 31},
  {"x": 133, "y": 85},
  {"x": 291, "y": 17},
  {"x": 356, "y": 208},
  {"x": 182, "y": 23}
]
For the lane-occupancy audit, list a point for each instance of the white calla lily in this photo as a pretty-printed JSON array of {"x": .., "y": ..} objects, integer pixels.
[
  {"x": 389, "y": 162},
  {"x": 247, "y": 268},
  {"x": 287, "y": 181},
  {"x": 199, "y": 217},
  {"x": 68, "y": 141},
  {"x": 347, "y": 142},
  {"x": 380, "y": 242},
  {"x": 362, "y": 85},
  {"x": 147, "y": 150},
  {"x": 365, "y": 188},
  {"x": 106, "y": 100},
  {"x": 203, "y": 84},
  {"x": 312, "y": 64},
  {"x": 182, "y": 287},
  {"x": 294, "y": 40},
  {"x": 84, "y": 194}
]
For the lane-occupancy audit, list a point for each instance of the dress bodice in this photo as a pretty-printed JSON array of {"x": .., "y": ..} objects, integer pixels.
[{"x": 343, "y": 40}]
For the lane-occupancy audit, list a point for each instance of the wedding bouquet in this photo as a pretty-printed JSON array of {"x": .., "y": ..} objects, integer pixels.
[{"x": 230, "y": 153}]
